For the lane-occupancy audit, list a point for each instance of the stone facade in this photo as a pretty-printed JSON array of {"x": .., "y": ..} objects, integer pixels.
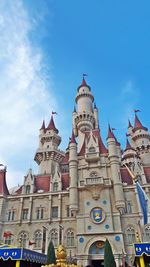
[{"x": 83, "y": 195}]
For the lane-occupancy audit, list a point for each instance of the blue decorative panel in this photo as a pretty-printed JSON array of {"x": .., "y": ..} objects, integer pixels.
[
  {"x": 104, "y": 202},
  {"x": 89, "y": 227},
  {"x": 22, "y": 254},
  {"x": 142, "y": 248},
  {"x": 12, "y": 253},
  {"x": 88, "y": 203},
  {"x": 107, "y": 226},
  {"x": 117, "y": 238},
  {"x": 81, "y": 240}
]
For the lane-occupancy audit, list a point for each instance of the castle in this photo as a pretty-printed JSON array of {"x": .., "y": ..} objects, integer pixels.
[{"x": 83, "y": 195}]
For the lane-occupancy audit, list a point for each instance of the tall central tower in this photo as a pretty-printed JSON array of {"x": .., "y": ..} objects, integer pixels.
[{"x": 85, "y": 118}]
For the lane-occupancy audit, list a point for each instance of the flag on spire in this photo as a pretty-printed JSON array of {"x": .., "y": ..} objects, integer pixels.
[{"x": 137, "y": 110}]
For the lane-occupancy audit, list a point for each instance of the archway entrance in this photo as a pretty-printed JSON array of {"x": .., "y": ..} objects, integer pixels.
[{"x": 96, "y": 253}]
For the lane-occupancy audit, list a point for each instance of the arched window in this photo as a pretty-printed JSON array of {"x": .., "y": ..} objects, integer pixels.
[
  {"x": 70, "y": 238},
  {"x": 27, "y": 189},
  {"x": 54, "y": 237},
  {"x": 38, "y": 239},
  {"x": 130, "y": 235},
  {"x": 55, "y": 187},
  {"x": 92, "y": 149},
  {"x": 23, "y": 237},
  {"x": 147, "y": 233}
]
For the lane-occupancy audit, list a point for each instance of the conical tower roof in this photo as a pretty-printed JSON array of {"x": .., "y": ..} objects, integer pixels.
[
  {"x": 128, "y": 145},
  {"x": 43, "y": 125},
  {"x": 110, "y": 133},
  {"x": 51, "y": 125},
  {"x": 72, "y": 140},
  {"x": 129, "y": 124},
  {"x": 83, "y": 83},
  {"x": 138, "y": 125}
]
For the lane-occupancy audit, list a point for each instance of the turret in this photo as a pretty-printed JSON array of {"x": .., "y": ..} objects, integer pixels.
[
  {"x": 73, "y": 173},
  {"x": 96, "y": 116},
  {"x": 115, "y": 170},
  {"x": 132, "y": 159},
  {"x": 48, "y": 156},
  {"x": 140, "y": 140},
  {"x": 85, "y": 118}
]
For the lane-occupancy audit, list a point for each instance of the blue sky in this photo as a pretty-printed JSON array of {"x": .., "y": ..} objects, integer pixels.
[{"x": 45, "y": 47}]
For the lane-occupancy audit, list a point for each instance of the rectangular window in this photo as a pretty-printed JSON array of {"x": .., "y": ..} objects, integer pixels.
[
  {"x": 25, "y": 214},
  {"x": 54, "y": 212},
  {"x": 40, "y": 213},
  {"x": 67, "y": 211},
  {"x": 128, "y": 207},
  {"x": 11, "y": 215}
]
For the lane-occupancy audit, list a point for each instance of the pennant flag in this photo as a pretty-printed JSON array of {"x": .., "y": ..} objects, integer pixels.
[
  {"x": 7, "y": 234},
  {"x": 137, "y": 110},
  {"x": 31, "y": 243},
  {"x": 53, "y": 112},
  {"x": 143, "y": 201}
]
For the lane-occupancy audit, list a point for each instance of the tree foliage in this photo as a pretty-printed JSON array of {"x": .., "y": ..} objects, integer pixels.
[
  {"x": 51, "y": 258},
  {"x": 109, "y": 260}
]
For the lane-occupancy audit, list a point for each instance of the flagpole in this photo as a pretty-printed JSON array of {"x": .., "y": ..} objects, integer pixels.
[{"x": 18, "y": 263}]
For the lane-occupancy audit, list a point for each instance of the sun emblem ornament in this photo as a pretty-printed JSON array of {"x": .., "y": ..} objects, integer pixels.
[{"x": 97, "y": 215}]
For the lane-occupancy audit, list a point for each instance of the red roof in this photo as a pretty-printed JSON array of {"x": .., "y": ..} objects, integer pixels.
[
  {"x": 73, "y": 138},
  {"x": 128, "y": 146},
  {"x": 96, "y": 133},
  {"x": 110, "y": 133},
  {"x": 83, "y": 82},
  {"x": 3, "y": 185},
  {"x": 51, "y": 125},
  {"x": 42, "y": 183},
  {"x": 43, "y": 126},
  {"x": 19, "y": 191},
  {"x": 138, "y": 125},
  {"x": 103, "y": 149},
  {"x": 66, "y": 158},
  {"x": 129, "y": 124},
  {"x": 125, "y": 176},
  {"x": 65, "y": 181}
]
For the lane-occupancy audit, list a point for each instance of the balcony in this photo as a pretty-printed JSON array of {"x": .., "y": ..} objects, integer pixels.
[{"x": 96, "y": 181}]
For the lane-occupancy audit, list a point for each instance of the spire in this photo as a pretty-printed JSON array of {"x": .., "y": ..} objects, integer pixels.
[
  {"x": 110, "y": 133},
  {"x": 128, "y": 146},
  {"x": 51, "y": 125},
  {"x": 95, "y": 105},
  {"x": 138, "y": 125},
  {"x": 72, "y": 139},
  {"x": 129, "y": 124},
  {"x": 83, "y": 82},
  {"x": 43, "y": 126}
]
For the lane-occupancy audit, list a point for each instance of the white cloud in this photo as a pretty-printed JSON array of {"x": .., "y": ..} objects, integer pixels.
[
  {"x": 26, "y": 93},
  {"x": 129, "y": 98}
]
